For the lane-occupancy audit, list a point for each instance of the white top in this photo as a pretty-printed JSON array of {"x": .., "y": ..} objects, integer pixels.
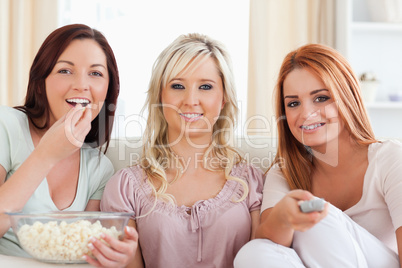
[
  {"x": 380, "y": 207},
  {"x": 16, "y": 145}
]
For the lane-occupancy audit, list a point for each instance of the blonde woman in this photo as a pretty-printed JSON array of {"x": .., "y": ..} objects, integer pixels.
[
  {"x": 327, "y": 149},
  {"x": 196, "y": 203}
]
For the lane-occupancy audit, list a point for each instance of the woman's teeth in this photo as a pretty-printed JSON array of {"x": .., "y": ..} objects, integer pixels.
[
  {"x": 311, "y": 127},
  {"x": 74, "y": 102},
  {"x": 190, "y": 116}
]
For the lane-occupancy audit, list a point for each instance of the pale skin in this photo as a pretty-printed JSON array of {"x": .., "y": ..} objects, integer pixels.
[
  {"x": 339, "y": 180},
  {"x": 80, "y": 73},
  {"x": 192, "y": 104}
]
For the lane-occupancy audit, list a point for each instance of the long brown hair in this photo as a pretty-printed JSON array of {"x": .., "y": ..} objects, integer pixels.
[
  {"x": 343, "y": 85},
  {"x": 36, "y": 105}
]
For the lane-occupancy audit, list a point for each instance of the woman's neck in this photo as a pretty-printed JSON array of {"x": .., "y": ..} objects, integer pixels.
[
  {"x": 190, "y": 152},
  {"x": 340, "y": 156},
  {"x": 36, "y": 133}
]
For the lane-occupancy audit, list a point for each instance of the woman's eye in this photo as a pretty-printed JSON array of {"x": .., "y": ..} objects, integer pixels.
[
  {"x": 64, "y": 71},
  {"x": 96, "y": 74},
  {"x": 206, "y": 87},
  {"x": 322, "y": 98},
  {"x": 177, "y": 86},
  {"x": 293, "y": 104}
]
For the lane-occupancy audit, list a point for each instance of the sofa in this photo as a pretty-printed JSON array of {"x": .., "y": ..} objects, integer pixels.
[{"x": 257, "y": 150}]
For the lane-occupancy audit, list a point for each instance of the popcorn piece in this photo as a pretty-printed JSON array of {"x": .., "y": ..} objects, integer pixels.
[{"x": 64, "y": 241}]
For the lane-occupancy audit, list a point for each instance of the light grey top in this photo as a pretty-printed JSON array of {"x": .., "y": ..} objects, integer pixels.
[{"x": 16, "y": 145}]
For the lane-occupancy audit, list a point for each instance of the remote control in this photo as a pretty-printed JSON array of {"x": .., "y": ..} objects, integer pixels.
[{"x": 311, "y": 205}]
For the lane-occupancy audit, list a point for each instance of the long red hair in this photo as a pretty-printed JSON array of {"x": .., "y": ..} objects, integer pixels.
[{"x": 338, "y": 77}]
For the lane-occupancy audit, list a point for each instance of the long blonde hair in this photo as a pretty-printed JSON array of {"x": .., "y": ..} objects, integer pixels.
[
  {"x": 343, "y": 85},
  {"x": 177, "y": 57}
]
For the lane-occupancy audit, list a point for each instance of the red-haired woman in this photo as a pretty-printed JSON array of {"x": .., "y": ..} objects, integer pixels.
[{"x": 327, "y": 149}]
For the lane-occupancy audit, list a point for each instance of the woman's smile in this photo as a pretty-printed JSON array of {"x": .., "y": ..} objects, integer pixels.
[{"x": 191, "y": 117}]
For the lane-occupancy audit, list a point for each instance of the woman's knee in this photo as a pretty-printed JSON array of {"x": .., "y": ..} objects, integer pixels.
[
  {"x": 248, "y": 253},
  {"x": 263, "y": 253}
]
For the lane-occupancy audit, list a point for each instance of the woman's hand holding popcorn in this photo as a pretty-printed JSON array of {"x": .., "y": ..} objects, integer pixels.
[{"x": 119, "y": 253}]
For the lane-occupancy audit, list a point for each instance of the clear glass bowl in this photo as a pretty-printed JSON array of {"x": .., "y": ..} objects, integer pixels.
[{"x": 62, "y": 237}]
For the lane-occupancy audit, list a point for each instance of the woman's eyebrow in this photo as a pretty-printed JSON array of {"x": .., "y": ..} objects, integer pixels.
[
  {"x": 98, "y": 65},
  {"x": 72, "y": 64},
  {"x": 65, "y": 61},
  {"x": 208, "y": 80},
  {"x": 318, "y": 90},
  {"x": 311, "y": 93},
  {"x": 291, "y": 97}
]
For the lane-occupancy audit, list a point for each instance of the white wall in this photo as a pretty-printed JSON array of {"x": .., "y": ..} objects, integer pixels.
[
  {"x": 374, "y": 46},
  {"x": 138, "y": 30}
]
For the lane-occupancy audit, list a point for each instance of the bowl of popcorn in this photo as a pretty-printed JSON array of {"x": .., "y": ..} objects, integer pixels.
[{"x": 63, "y": 237}]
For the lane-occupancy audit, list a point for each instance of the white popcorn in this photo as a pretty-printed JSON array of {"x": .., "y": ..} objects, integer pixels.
[{"x": 61, "y": 242}]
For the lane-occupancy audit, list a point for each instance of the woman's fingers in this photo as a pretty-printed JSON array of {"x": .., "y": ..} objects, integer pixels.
[
  {"x": 78, "y": 124},
  {"x": 104, "y": 256},
  {"x": 113, "y": 252},
  {"x": 66, "y": 135},
  {"x": 299, "y": 220},
  {"x": 131, "y": 234},
  {"x": 91, "y": 261},
  {"x": 300, "y": 195}
]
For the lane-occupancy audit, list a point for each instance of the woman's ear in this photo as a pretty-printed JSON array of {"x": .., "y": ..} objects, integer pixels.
[{"x": 223, "y": 104}]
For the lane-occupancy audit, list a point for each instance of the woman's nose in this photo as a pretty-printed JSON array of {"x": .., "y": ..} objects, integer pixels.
[
  {"x": 81, "y": 82},
  {"x": 310, "y": 112},
  {"x": 191, "y": 97}
]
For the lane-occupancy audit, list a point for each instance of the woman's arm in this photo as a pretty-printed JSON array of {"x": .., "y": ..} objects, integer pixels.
[
  {"x": 63, "y": 139},
  {"x": 255, "y": 221},
  {"x": 93, "y": 205},
  {"x": 16, "y": 191},
  {"x": 399, "y": 242},
  {"x": 4, "y": 224},
  {"x": 138, "y": 261},
  {"x": 4, "y": 220},
  {"x": 279, "y": 223},
  {"x": 272, "y": 228}
]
